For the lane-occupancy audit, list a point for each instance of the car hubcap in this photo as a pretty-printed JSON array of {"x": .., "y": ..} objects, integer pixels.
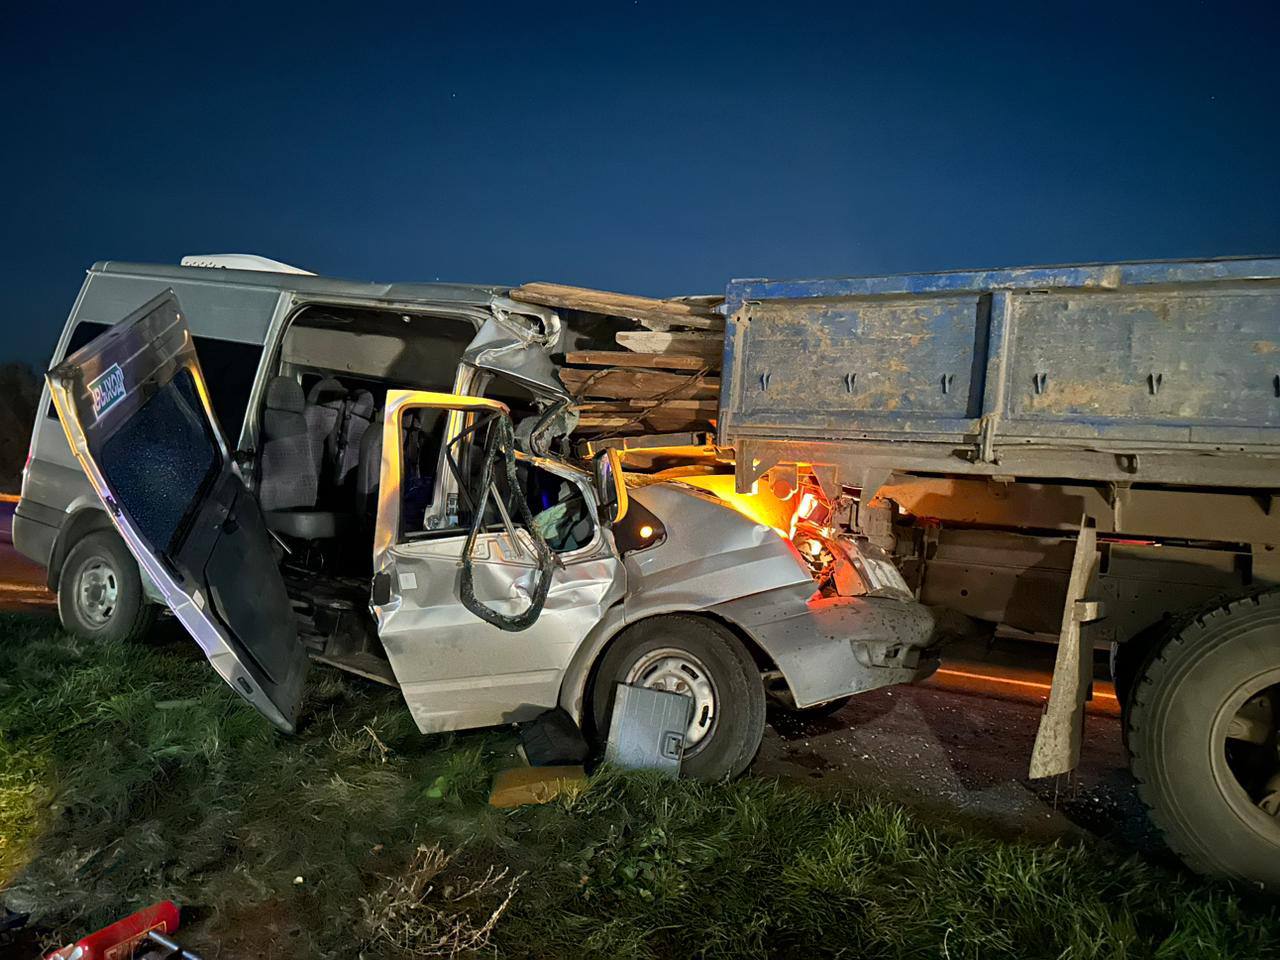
[
  {"x": 678, "y": 671},
  {"x": 97, "y": 592},
  {"x": 1251, "y": 748}
]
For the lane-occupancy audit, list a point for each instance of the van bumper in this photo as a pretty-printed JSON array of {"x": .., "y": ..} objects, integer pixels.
[{"x": 831, "y": 647}]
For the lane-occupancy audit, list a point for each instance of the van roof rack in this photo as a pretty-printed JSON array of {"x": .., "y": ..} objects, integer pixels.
[{"x": 241, "y": 261}]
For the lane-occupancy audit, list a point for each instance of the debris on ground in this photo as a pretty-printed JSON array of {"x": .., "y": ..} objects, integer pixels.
[
  {"x": 552, "y": 739},
  {"x": 520, "y": 785},
  {"x": 647, "y": 730}
]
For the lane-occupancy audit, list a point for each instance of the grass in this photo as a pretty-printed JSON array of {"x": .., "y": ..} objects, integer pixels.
[{"x": 130, "y": 773}]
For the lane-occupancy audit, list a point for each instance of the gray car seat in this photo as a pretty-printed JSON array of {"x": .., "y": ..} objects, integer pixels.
[
  {"x": 323, "y": 411},
  {"x": 287, "y": 471},
  {"x": 353, "y": 425},
  {"x": 369, "y": 472},
  {"x": 289, "y": 484},
  {"x": 337, "y": 419}
]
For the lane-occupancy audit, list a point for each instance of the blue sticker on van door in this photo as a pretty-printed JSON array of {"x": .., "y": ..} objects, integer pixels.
[{"x": 107, "y": 390}]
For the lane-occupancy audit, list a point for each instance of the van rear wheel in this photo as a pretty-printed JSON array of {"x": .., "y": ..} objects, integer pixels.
[
  {"x": 702, "y": 660},
  {"x": 100, "y": 594}
]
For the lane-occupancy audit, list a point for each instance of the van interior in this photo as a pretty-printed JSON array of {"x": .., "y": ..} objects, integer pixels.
[{"x": 319, "y": 454}]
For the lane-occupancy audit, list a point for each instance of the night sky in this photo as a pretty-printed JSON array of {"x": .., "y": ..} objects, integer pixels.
[{"x": 645, "y": 147}]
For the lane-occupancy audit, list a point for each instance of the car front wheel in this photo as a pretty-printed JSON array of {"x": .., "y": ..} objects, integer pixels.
[
  {"x": 100, "y": 594},
  {"x": 702, "y": 660}
]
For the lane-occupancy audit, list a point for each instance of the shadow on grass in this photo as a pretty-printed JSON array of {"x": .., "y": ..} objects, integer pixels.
[{"x": 130, "y": 773}]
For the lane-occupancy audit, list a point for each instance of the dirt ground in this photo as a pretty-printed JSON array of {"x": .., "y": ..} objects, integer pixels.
[{"x": 958, "y": 754}]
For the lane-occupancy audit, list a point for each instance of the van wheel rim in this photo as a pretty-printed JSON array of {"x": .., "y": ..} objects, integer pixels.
[
  {"x": 1248, "y": 733},
  {"x": 678, "y": 671},
  {"x": 97, "y": 592}
]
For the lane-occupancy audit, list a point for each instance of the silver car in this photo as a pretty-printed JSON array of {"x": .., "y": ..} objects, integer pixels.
[{"x": 487, "y": 582}]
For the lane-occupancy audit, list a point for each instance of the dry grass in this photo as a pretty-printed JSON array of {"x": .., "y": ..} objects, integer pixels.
[{"x": 431, "y": 910}]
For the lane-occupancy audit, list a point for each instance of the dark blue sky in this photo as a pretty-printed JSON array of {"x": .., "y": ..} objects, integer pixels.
[{"x": 647, "y": 147}]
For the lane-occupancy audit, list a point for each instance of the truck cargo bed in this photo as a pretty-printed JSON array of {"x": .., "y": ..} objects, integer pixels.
[{"x": 1139, "y": 372}]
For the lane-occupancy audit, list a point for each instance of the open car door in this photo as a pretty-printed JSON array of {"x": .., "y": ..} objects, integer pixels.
[
  {"x": 483, "y": 597},
  {"x": 136, "y": 411}
]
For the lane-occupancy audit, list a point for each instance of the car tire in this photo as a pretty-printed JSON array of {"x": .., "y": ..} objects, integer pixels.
[
  {"x": 1214, "y": 796},
  {"x": 702, "y": 655},
  {"x": 100, "y": 595}
]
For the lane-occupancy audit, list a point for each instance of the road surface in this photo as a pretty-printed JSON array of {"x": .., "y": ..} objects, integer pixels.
[{"x": 22, "y": 583}]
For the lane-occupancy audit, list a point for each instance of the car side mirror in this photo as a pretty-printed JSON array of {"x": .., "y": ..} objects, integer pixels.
[{"x": 611, "y": 489}]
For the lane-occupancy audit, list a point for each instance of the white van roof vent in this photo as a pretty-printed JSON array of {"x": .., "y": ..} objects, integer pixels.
[{"x": 241, "y": 261}]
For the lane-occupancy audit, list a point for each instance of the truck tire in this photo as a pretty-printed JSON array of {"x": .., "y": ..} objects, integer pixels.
[
  {"x": 700, "y": 659},
  {"x": 1202, "y": 739},
  {"x": 100, "y": 595}
]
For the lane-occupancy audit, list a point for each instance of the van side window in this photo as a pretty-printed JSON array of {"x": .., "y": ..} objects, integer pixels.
[
  {"x": 560, "y": 512},
  {"x": 229, "y": 368}
]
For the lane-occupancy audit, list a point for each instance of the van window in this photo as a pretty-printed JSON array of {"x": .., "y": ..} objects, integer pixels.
[
  {"x": 229, "y": 368},
  {"x": 160, "y": 460},
  {"x": 560, "y": 512}
]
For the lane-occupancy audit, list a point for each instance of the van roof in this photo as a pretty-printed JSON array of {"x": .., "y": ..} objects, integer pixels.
[{"x": 463, "y": 293}]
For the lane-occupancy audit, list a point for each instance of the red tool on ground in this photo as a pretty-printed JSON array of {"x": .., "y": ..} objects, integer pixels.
[{"x": 145, "y": 935}]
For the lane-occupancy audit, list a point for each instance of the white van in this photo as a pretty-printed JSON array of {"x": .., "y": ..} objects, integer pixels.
[{"x": 358, "y": 474}]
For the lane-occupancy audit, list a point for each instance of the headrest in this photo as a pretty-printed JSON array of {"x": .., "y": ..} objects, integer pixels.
[
  {"x": 325, "y": 391},
  {"x": 285, "y": 393}
]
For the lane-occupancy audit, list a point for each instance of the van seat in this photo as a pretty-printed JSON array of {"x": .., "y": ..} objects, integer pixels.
[{"x": 290, "y": 484}]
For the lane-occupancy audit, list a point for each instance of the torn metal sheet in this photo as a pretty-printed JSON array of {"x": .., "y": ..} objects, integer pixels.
[{"x": 517, "y": 341}]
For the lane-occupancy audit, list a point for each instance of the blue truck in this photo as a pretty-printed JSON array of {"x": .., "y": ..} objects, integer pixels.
[{"x": 1084, "y": 453}]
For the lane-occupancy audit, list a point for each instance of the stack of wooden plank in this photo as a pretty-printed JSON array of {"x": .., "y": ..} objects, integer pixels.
[{"x": 666, "y": 376}]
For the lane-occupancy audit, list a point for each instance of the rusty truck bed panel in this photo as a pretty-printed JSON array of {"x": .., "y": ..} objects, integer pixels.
[{"x": 1127, "y": 362}]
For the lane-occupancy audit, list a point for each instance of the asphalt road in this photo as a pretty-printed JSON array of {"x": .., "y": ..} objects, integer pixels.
[
  {"x": 956, "y": 746},
  {"x": 22, "y": 586}
]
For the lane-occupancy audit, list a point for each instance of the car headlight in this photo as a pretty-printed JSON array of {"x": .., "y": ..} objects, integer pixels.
[{"x": 880, "y": 578}]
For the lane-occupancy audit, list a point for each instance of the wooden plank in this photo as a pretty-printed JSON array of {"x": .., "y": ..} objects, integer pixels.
[
  {"x": 682, "y": 313},
  {"x": 639, "y": 424},
  {"x": 614, "y": 384},
  {"x": 625, "y": 358},
  {"x": 635, "y": 406},
  {"x": 683, "y": 344}
]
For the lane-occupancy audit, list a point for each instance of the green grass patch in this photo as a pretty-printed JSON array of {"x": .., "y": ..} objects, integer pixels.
[{"x": 130, "y": 773}]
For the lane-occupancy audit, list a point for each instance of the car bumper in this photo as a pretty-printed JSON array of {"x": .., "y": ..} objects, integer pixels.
[{"x": 831, "y": 647}]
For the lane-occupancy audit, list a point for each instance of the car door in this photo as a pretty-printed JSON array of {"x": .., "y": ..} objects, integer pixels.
[
  {"x": 457, "y": 670},
  {"x": 135, "y": 407}
]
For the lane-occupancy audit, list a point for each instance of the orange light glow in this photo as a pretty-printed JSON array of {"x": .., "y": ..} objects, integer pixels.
[{"x": 646, "y": 531}]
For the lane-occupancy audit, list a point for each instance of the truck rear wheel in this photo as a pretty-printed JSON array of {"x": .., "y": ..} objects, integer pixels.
[
  {"x": 1203, "y": 745},
  {"x": 704, "y": 661},
  {"x": 100, "y": 594}
]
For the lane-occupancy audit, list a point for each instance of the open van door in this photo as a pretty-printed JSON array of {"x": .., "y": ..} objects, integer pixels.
[{"x": 136, "y": 411}]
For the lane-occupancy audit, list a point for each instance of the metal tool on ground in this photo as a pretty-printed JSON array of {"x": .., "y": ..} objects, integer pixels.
[{"x": 144, "y": 935}]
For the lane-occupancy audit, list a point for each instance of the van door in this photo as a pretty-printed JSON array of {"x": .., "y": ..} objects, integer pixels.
[
  {"x": 135, "y": 408},
  {"x": 455, "y": 668}
]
